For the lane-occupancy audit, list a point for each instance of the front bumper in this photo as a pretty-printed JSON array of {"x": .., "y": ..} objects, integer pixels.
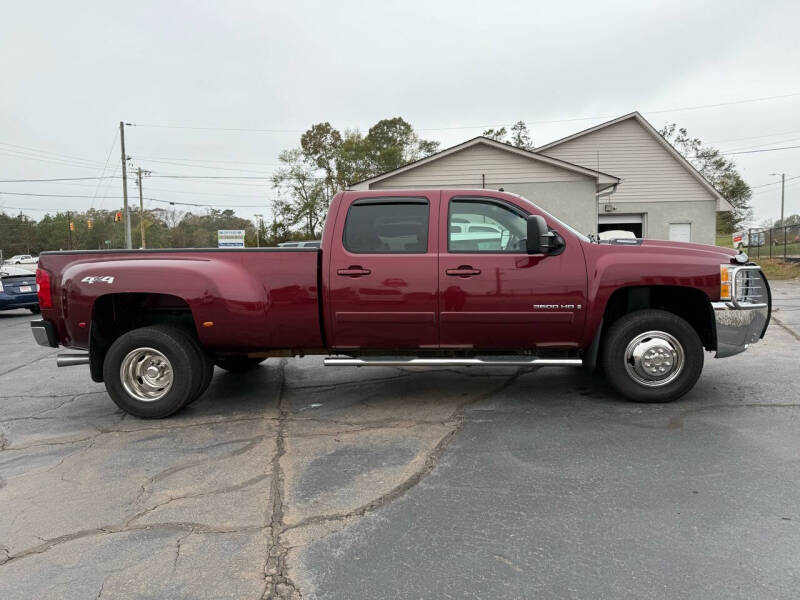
[
  {"x": 737, "y": 328},
  {"x": 744, "y": 320}
]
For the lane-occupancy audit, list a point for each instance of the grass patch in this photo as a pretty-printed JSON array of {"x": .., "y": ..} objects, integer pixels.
[
  {"x": 777, "y": 268},
  {"x": 725, "y": 240}
]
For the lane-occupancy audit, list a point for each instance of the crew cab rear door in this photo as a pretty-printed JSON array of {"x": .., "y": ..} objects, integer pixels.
[
  {"x": 383, "y": 278},
  {"x": 492, "y": 294}
]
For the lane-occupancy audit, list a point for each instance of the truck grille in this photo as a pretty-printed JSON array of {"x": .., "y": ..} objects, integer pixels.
[{"x": 750, "y": 287}]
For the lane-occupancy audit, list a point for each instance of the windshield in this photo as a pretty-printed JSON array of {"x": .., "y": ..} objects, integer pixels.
[{"x": 558, "y": 221}]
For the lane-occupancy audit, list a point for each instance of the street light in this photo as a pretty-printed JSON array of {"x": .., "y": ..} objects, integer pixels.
[
  {"x": 258, "y": 229},
  {"x": 783, "y": 182}
]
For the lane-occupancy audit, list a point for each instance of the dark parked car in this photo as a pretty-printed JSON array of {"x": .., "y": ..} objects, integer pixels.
[{"x": 18, "y": 289}]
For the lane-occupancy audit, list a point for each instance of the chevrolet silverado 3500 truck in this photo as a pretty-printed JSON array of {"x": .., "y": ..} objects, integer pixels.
[{"x": 404, "y": 278}]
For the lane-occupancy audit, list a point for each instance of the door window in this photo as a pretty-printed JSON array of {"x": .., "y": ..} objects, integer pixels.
[
  {"x": 485, "y": 226},
  {"x": 387, "y": 226}
]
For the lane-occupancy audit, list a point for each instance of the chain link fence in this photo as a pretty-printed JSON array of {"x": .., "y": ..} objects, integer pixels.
[{"x": 778, "y": 242}]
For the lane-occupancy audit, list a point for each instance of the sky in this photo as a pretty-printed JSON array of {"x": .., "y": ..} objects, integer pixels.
[{"x": 218, "y": 89}]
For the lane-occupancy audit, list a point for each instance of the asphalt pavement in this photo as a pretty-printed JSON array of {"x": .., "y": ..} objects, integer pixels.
[{"x": 297, "y": 480}]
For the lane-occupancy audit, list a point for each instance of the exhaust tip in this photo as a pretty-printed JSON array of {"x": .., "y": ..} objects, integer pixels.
[{"x": 71, "y": 359}]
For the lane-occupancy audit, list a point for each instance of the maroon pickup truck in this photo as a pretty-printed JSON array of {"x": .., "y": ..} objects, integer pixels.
[{"x": 404, "y": 278}]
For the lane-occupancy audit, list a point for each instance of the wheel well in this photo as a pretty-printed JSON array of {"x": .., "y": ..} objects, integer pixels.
[
  {"x": 690, "y": 304},
  {"x": 115, "y": 314}
]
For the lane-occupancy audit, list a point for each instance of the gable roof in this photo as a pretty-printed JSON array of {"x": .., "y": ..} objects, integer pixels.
[
  {"x": 604, "y": 180},
  {"x": 722, "y": 203}
]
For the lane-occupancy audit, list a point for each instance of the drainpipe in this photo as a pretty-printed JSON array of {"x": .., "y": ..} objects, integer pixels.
[{"x": 604, "y": 194}]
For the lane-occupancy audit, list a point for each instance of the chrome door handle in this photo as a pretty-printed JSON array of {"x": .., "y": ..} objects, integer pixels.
[
  {"x": 463, "y": 271},
  {"x": 354, "y": 271}
]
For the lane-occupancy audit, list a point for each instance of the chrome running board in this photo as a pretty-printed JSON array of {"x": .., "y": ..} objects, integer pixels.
[{"x": 500, "y": 361}]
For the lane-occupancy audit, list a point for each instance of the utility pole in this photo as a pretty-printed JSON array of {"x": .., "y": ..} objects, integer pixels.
[
  {"x": 783, "y": 185},
  {"x": 126, "y": 214},
  {"x": 259, "y": 222},
  {"x": 139, "y": 175},
  {"x": 69, "y": 229}
]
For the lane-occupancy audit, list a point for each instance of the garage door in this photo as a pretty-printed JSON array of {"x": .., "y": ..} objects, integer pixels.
[
  {"x": 631, "y": 222},
  {"x": 680, "y": 232}
]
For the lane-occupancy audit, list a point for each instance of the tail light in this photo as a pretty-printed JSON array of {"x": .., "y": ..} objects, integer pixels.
[{"x": 43, "y": 289}]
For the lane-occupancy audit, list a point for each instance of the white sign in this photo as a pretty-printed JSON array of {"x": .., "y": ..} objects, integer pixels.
[{"x": 230, "y": 238}]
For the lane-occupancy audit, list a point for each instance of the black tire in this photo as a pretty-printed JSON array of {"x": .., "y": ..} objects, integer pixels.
[
  {"x": 178, "y": 349},
  {"x": 207, "y": 366},
  {"x": 624, "y": 378},
  {"x": 238, "y": 364},
  {"x": 35, "y": 309}
]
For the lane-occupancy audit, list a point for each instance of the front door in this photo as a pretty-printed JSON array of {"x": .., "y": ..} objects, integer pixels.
[
  {"x": 383, "y": 275},
  {"x": 493, "y": 295}
]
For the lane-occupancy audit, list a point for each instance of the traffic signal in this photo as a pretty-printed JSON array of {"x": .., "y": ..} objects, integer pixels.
[
  {"x": 71, "y": 226},
  {"x": 90, "y": 224},
  {"x": 118, "y": 217}
]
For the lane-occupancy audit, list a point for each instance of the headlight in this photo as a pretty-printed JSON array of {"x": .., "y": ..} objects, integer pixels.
[
  {"x": 744, "y": 286},
  {"x": 725, "y": 281}
]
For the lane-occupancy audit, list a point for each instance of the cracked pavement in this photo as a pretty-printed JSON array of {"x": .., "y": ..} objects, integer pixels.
[{"x": 297, "y": 481}]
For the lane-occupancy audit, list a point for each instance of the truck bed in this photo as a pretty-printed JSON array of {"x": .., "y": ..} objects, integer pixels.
[{"x": 241, "y": 299}]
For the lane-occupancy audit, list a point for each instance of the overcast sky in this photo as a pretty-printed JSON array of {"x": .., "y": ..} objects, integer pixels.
[{"x": 72, "y": 70}]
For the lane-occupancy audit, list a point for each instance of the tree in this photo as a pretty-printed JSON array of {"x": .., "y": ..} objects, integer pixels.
[
  {"x": 307, "y": 202},
  {"x": 499, "y": 135},
  {"x": 328, "y": 161},
  {"x": 520, "y": 136},
  {"x": 720, "y": 172}
]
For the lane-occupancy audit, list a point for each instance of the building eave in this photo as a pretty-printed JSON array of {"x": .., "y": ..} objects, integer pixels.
[
  {"x": 720, "y": 199},
  {"x": 602, "y": 180}
]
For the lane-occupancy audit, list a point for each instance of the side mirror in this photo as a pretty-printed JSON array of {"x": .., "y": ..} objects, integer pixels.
[{"x": 537, "y": 242}]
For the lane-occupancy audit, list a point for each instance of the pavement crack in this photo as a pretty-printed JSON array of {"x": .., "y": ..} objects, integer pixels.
[
  {"x": 278, "y": 584},
  {"x": 178, "y": 543},
  {"x": 27, "y": 364},
  {"x": 191, "y": 527},
  {"x": 223, "y": 490},
  {"x": 456, "y": 420},
  {"x": 788, "y": 329}
]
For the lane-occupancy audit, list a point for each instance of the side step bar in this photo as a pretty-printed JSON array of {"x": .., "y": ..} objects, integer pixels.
[
  {"x": 71, "y": 359},
  {"x": 401, "y": 361}
]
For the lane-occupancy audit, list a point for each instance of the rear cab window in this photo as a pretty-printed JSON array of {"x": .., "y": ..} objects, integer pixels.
[{"x": 387, "y": 226}]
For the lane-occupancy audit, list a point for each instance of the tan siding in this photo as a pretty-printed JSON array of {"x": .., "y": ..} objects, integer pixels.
[
  {"x": 464, "y": 169},
  {"x": 647, "y": 169}
]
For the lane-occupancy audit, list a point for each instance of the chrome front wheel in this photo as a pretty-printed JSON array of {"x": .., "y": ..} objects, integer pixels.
[
  {"x": 652, "y": 355},
  {"x": 654, "y": 358}
]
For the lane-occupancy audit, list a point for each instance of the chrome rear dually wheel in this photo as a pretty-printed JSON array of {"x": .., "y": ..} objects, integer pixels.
[{"x": 152, "y": 372}]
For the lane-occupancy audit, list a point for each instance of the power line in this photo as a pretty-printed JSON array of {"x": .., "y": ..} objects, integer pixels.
[
  {"x": 756, "y": 151},
  {"x": 179, "y": 164},
  {"x": 150, "y": 199},
  {"x": 105, "y": 166},
  {"x": 754, "y": 137},
  {"x": 753, "y": 187},
  {"x": 55, "y": 154},
  {"x": 529, "y": 122},
  {"x": 203, "y": 160},
  {"x": 54, "y": 179},
  {"x": 235, "y": 129}
]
